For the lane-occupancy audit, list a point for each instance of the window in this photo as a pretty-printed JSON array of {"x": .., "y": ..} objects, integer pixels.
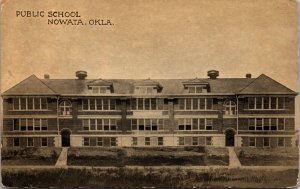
[
  {"x": 280, "y": 142},
  {"x": 65, "y": 108},
  {"x": 147, "y": 141},
  {"x": 145, "y": 90},
  {"x": 187, "y": 124},
  {"x": 251, "y": 123},
  {"x": 259, "y": 124},
  {"x": 99, "y": 141},
  {"x": 160, "y": 141},
  {"x": 266, "y": 142},
  {"x": 113, "y": 141},
  {"x": 181, "y": 141},
  {"x": 16, "y": 124},
  {"x": 85, "y": 124},
  {"x": 100, "y": 124},
  {"x": 209, "y": 124},
  {"x": 29, "y": 142},
  {"x": 16, "y": 142},
  {"x": 30, "y": 103},
  {"x": 99, "y": 104},
  {"x": 147, "y": 103},
  {"x": 44, "y": 141},
  {"x": 266, "y": 103},
  {"x": 195, "y": 89},
  {"x": 147, "y": 124},
  {"x": 208, "y": 141},
  {"x": 266, "y": 124},
  {"x": 280, "y": 123},
  {"x": 86, "y": 141},
  {"x": 229, "y": 108},
  {"x": 30, "y": 124},
  {"x": 195, "y": 103},
  {"x": 100, "y": 90},
  {"x": 252, "y": 141},
  {"x": 134, "y": 141},
  {"x": 195, "y": 141}
]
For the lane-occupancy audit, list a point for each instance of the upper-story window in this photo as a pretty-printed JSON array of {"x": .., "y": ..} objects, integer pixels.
[
  {"x": 147, "y": 103},
  {"x": 145, "y": 90},
  {"x": 99, "y": 104},
  {"x": 266, "y": 103},
  {"x": 65, "y": 108},
  {"x": 188, "y": 124},
  {"x": 196, "y": 89},
  {"x": 266, "y": 124},
  {"x": 100, "y": 86},
  {"x": 29, "y": 124},
  {"x": 229, "y": 108},
  {"x": 147, "y": 124},
  {"x": 100, "y": 90},
  {"x": 34, "y": 103},
  {"x": 195, "y": 103}
]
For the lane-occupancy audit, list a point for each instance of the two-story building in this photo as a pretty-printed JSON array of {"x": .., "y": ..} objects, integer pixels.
[{"x": 258, "y": 112}]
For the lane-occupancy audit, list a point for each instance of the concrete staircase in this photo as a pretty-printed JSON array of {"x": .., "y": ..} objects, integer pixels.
[{"x": 63, "y": 158}]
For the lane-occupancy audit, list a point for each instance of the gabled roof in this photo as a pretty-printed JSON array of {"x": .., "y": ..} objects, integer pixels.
[
  {"x": 220, "y": 86},
  {"x": 31, "y": 85},
  {"x": 147, "y": 82},
  {"x": 265, "y": 85},
  {"x": 195, "y": 81},
  {"x": 99, "y": 82}
]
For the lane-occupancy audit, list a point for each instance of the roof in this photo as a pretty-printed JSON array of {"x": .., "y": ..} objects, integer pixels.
[
  {"x": 195, "y": 81},
  {"x": 99, "y": 82},
  {"x": 227, "y": 86},
  {"x": 265, "y": 85},
  {"x": 30, "y": 86}
]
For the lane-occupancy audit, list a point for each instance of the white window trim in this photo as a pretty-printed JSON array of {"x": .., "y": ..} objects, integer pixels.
[
  {"x": 96, "y": 124},
  {"x": 33, "y": 104},
  {"x": 198, "y": 122},
  {"x": 198, "y": 106},
  {"x": 96, "y": 102},
  {"x": 151, "y": 125},
  {"x": 263, "y": 124},
  {"x": 107, "y": 89},
  {"x": 269, "y": 108},
  {"x": 157, "y": 100},
  {"x": 33, "y": 124},
  {"x": 63, "y": 105}
]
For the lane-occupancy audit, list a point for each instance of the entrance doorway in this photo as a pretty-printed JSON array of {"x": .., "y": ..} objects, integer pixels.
[
  {"x": 65, "y": 138},
  {"x": 229, "y": 138}
]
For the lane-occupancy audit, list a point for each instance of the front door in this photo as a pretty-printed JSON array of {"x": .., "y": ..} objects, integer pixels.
[
  {"x": 229, "y": 138},
  {"x": 65, "y": 138}
]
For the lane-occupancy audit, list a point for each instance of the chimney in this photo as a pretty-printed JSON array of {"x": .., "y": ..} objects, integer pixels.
[
  {"x": 46, "y": 76},
  {"x": 248, "y": 75},
  {"x": 213, "y": 74},
  {"x": 81, "y": 75}
]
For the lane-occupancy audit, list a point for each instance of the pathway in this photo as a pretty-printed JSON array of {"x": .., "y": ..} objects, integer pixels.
[
  {"x": 234, "y": 161},
  {"x": 62, "y": 159}
]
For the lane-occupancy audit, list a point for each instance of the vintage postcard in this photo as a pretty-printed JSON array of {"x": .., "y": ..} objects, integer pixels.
[{"x": 161, "y": 93}]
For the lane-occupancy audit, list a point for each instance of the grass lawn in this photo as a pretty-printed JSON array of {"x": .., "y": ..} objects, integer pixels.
[
  {"x": 132, "y": 178},
  {"x": 29, "y": 156},
  {"x": 94, "y": 156},
  {"x": 267, "y": 156}
]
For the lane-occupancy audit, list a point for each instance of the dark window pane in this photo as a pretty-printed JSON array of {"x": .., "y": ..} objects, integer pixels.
[
  {"x": 112, "y": 104},
  {"x": 188, "y": 104},
  {"x": 202, "y": 103},
  {"x": 16, "y": 103},
  {"x": 195, "y": 103},
  {"x": 259, "y": 103},
  {"x": 181, "y": 103},
  {"x": 153, "y": 104},
  {"x": 147, "y": 104},
  {"x": 23, "y": 103},
  {"x": 209, "y": 103},
  {"x": 251, "y": 102},
  {"x": 140, "y": 104},
  {"x": 29, "y": 103},
  {"x": 99, "y": 104},
  {"x": 44, "y": 103},
  {"x": 16, "y": 124},
  {"x": 266, "y": 102},
  {"x": 273, "y": 102},
  {"x": 105, "y": 104},
  {"x": 92, "y": 104},
  {"x": 280, "y": 103}
]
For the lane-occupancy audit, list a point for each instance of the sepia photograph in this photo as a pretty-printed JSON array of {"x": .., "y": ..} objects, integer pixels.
[{"x": 160, "y": 94}]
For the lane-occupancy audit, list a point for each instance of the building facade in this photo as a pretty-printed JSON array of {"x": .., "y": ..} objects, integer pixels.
[{"x": 258, "y": 112}]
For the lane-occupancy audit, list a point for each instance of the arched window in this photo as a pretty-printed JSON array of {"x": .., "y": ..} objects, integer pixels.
[
  {"x": 229, "y": 108},
  {"x": 65, "y": 108}
]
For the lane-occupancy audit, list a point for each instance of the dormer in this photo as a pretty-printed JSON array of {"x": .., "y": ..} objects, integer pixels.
[
  {"x": 196, "y": 86},
  {"x": 100, "y": 86},
  {"x": 147, "y": 86}
]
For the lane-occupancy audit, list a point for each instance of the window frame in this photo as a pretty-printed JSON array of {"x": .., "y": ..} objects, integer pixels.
[
  {"x": 270, "y": 105},
  {"x": 26, "y": 104},
  {"x": 44, "y": 141},
  {"x": 32, "y": 142}
]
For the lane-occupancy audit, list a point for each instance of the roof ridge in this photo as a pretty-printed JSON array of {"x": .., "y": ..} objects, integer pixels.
[
  {"x": 47, "y": 85},
  {"x": 249, "y": 83}
]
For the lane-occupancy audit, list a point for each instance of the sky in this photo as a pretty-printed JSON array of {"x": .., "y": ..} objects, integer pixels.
[{"x": 152, "y": 39}]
